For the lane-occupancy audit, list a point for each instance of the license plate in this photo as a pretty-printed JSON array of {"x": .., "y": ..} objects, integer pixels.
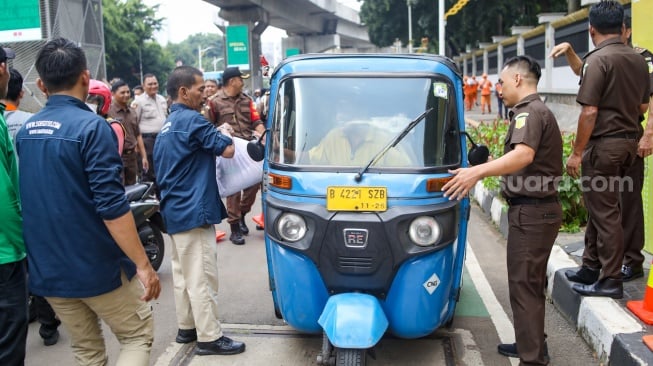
[{"x": 357, "y": 198}]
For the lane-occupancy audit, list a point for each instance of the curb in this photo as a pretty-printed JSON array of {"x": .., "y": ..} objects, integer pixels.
[{"x": 607, "y": 327}]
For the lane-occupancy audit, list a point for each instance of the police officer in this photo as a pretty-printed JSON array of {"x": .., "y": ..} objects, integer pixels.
[
  {"x": 612, "y": 96},
  {"x": 531, "y": 162}
]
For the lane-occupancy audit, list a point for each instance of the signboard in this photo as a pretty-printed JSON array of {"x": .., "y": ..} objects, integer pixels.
[
  {"x": 20, "y": 21},
  {"x": 238, "y": 47},
  {"x": 292, "y": 52}
]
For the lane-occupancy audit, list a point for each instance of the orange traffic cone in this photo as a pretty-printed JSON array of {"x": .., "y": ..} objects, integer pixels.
[
  {"x": 219, "y": 235},
  {"x": 644, "y": 308},
  {"x": 259, "y": 220},
  {"x": 648, "y": 341}
]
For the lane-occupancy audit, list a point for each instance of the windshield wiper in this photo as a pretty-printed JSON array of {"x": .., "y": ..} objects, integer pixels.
[{"x": 392, "y": 143}]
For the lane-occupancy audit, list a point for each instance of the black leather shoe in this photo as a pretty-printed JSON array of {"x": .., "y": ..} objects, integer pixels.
[
  {"x": 221, "y": 346},
  {"x": 583, "y": 275},
  {"x": 243, "y": 227},
  {"x": 607, "y": 287},
  {"x": 186, "y": 335},
  {"x": 630, "y": 273},
  {"x": 236, "y": 236},
  {"x": 510, "y": 350},
  {"x": 52, "y": 339}
]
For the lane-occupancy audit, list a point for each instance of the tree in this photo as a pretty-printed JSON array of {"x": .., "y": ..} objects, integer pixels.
[
  {"x": 477, "y": 22},
  {"x": 129, "y": 26},
  {"x": 186, "y": 51}
]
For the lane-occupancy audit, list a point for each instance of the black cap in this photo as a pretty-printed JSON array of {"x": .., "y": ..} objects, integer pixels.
[
  {"x": 231, "y": 72},
  {"x": 6, "y": 53}
]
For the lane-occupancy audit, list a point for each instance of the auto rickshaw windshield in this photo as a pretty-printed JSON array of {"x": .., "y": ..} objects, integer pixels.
[{"x": 346, "y": 121}]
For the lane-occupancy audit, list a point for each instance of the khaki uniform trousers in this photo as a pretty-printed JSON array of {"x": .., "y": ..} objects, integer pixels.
[
  {"x": 129, "y": 318},
  {"x": 195, "y": 278},
  {"x": 531, "y": 234},
  {"x": 605, "y": 162},
  {"x": 240, "y": 203}
]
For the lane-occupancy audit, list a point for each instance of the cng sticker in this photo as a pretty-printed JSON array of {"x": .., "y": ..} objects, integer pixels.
[{"x": 432, "y": 283}]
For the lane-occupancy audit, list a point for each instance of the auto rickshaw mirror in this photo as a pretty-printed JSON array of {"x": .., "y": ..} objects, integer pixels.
[{"x": 478, "y": 154}]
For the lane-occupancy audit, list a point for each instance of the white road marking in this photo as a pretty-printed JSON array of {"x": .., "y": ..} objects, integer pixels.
[{"x": 498, "y": 316}]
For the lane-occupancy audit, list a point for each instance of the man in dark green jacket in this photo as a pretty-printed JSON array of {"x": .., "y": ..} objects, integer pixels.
[{"x": 13, "y": 273}]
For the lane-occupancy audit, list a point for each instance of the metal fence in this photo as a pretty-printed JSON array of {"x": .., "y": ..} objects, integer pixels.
[{"x": 77, "y": 20}]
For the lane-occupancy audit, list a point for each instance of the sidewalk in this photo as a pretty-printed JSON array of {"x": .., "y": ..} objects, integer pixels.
[{"x": 610, "y": 329}]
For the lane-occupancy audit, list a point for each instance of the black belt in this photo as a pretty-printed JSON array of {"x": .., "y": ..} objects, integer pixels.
[
  {"x": 523, "y": 200},
  {"x": 149, "y": 134},
  {"x": 620, "y": 135}
]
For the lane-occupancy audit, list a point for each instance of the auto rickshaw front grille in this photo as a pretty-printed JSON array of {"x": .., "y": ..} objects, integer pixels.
[{"x": 355, "y": 262}]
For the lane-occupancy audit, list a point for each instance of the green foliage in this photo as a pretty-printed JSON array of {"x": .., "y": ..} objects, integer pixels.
[
  {"x": 129, "y": 26},
  {"x": 492, "y": 135},
  {"x": 573, "y": 210},
  {"x": 477, "y": 22}
]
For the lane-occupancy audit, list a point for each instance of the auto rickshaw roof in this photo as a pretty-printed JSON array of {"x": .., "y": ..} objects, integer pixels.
[{"x": 367, "y": 63}]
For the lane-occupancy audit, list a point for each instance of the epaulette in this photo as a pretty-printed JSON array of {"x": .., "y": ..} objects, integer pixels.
[{"x": 642, "y": 50}]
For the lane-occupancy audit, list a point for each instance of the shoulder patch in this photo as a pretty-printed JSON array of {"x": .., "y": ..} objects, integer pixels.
[{"x": 520, "y": 120}]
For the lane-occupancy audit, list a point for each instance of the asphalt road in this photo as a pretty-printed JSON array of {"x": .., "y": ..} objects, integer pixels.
[{"x": 483, "y": 318}]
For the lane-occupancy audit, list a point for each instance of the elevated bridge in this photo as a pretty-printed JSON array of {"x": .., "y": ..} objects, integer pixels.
[{"x": 313, "y": 26}]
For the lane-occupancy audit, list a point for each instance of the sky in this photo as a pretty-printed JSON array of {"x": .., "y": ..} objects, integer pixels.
[{"x": 184, "y": 18}]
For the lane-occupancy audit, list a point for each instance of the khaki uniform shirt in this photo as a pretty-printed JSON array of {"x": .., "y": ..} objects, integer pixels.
[
  {"x": 151, "y": 112},
  {"x": 533, "y": 124},
  {"x": 126, "y": 116},
  {"x": 611, "y": 79}
]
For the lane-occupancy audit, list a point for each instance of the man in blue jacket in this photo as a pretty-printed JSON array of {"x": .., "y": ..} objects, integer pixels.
[
  {"x": 84, "y": 253},
  {"x": 184, "y": 162}
]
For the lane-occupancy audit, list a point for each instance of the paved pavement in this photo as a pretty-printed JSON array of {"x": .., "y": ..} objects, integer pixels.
[{"x": 612, "y": 331}]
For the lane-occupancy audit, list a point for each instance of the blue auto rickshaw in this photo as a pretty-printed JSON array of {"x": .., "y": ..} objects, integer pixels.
[{"x": 360, "y": 240}]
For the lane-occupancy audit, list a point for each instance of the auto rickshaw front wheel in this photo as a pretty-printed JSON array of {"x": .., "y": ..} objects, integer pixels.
[{"x": 350, "y": 357}]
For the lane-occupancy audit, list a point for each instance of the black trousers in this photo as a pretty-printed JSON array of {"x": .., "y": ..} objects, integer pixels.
[{"x": 13, "y": 313}]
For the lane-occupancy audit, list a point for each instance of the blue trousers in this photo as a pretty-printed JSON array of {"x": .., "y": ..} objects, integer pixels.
[{"x": 13, "y": 313}]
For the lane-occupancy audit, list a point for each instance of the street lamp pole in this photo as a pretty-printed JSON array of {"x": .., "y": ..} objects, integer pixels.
[
  {"x": 200, "y": 51},
  {"x": 442, "y": 22},
  {"x": 410, "y": 25}
]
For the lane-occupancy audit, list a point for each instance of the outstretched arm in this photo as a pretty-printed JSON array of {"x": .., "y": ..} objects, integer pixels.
[{"x": 573, "y": 59}]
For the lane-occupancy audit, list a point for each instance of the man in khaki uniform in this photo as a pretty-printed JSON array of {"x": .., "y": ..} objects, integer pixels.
[{"x": 152, "y": 110}]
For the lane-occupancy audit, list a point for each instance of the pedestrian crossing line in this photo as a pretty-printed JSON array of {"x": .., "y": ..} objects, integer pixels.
[{"x": 498, "y": 316}]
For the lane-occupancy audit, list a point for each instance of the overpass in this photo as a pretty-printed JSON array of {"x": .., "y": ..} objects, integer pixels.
[{"x": 313, "y": 26}]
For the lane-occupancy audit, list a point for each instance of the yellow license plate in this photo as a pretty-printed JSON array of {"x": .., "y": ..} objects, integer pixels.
[{"x": 357, "y": 198}]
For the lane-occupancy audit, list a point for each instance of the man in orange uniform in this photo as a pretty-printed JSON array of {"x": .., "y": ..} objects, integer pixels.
[{"x": 486, "y": 94}]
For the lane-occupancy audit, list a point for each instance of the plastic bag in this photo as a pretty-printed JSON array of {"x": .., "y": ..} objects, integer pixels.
[{"x": 237, "y": 173}]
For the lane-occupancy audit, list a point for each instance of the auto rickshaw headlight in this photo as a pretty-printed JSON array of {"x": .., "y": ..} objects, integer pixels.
[
  {"x": 291, "y": 227},
  {"x": 424, "y": 231}
]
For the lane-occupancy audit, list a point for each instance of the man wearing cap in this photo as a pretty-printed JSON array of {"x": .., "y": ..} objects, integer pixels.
[
  {"x": 230, "y": 105},
  {"x": 13, "y": 272}
]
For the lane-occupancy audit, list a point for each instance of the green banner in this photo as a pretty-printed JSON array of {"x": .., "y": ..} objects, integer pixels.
[
  {"x": 20, "y": 21},
  {"x": 238, "y": 47}
]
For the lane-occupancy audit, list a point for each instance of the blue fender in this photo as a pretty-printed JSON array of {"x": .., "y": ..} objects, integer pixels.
[{"x": 353, "y": 320}]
